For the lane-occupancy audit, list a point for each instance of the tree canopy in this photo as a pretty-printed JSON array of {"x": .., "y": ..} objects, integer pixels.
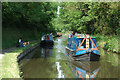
[
  {"x": 29, "y": 14},
  {"x": 91, "y": 17}
]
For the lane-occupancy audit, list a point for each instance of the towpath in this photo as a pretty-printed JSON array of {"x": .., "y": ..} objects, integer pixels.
[
  {"x": 11, "y": 49},
  {"x": 4, "y": 51}
]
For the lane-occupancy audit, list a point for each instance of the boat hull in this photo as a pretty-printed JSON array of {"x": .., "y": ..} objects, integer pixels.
[
  {"x": 46, "y": 43},
  {"x": 58, "y": 35},
  {"x": 90, "y": 56}
]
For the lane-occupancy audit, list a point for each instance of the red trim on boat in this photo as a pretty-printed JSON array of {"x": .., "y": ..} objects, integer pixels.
[
  {"x": 78, "y": 55},
  {"x": 94, "y": 49},
  {"x": 81, "y": 49}
]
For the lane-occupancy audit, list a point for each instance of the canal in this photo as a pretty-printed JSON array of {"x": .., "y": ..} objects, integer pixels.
[{"x": 53, "y": 62}]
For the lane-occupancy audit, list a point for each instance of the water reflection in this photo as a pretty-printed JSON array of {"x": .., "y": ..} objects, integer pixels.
[
  {"x": 60, "y": 72},
  {"x": 46, "y": 52},
  {"x": 84, "y": 70},
  {"x": 40, "y": 65}
]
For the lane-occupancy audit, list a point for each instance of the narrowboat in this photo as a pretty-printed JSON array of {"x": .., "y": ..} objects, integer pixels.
[
  {"x": 47, "y": 40},
  {"x": 58, "y": 35},
  {"x": 84, "y": 70},
  {"x": 83, "y": 47}
]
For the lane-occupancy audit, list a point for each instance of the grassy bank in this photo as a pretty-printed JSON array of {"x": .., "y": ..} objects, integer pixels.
[
  {"x": 10, "y": 35},
  {"x": 110, "y": 43},
  {"x": 9, "y": 66}
]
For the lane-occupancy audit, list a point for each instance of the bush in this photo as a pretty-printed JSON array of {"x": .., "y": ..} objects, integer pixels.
[{"x": 112, "y": 44}]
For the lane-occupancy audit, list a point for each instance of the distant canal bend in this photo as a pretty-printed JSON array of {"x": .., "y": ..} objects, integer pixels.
[{"x": 53, "y": 62}]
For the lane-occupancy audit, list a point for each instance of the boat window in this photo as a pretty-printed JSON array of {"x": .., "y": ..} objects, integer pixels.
[
  {"x": 79, "y": 42},
  {"x": 84, "y": 43},
  {"x": 72, "y": 44},
  {"x": 50, "y": 37},
  {"x": 91, "y": 44}
]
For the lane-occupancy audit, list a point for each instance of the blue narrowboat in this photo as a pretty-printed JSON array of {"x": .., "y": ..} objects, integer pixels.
[
  {"x": 83, "y": 47},
  {"x": 47, "y": 40}
]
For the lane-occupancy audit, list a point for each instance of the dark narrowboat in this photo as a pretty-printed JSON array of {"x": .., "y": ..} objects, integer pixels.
[
  {"x": 58, "y": 35},
  {"x": 47, "y": 40},
  {"x": 83, "y": 47}
]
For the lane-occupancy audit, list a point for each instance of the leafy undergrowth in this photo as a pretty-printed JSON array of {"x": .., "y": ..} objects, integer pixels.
[
  {"x": 110, "y": 43},
  {"x": 10, "y": 36},
  {"x": 9, "y": 66}
]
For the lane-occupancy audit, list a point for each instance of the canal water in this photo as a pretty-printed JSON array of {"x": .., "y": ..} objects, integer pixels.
[{"x": 53, "y": 62}]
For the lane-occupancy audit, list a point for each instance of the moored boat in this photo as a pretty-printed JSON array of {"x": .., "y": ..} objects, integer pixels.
[
  {"x": 83, "y": 47},
  {"x": 58, "y": 35},
  {"x": 47, "y": 40}
]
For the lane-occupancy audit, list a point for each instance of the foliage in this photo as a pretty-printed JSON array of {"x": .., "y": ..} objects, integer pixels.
[
  {"x": 28, "y": 14},
  {"x": 91, "y": 18},
  {"x": 29, "y": 20},
  {"x": 112, "y": 44}
]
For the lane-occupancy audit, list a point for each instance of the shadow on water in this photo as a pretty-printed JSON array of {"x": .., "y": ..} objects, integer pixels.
[{"x": 53, "y": 62}]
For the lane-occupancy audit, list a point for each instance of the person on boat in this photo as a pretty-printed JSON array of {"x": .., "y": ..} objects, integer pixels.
[
  {"x": 75, "y": 33},
  {"x": 71, "y": 35}
]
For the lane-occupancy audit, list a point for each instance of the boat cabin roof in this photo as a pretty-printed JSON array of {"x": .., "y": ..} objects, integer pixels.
[
  {"x": 84, "y": 37},
  {"x": 81, "y": 36},
  {"x": 82, "y": 42},
  {"x": 49, "y": 37}
]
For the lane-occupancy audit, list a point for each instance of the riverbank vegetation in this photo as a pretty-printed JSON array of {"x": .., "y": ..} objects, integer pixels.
[
  {"x": 10, "y": 67},
  {"x": 109, "y": 43},
  {"x": 112, "y": 44}
]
